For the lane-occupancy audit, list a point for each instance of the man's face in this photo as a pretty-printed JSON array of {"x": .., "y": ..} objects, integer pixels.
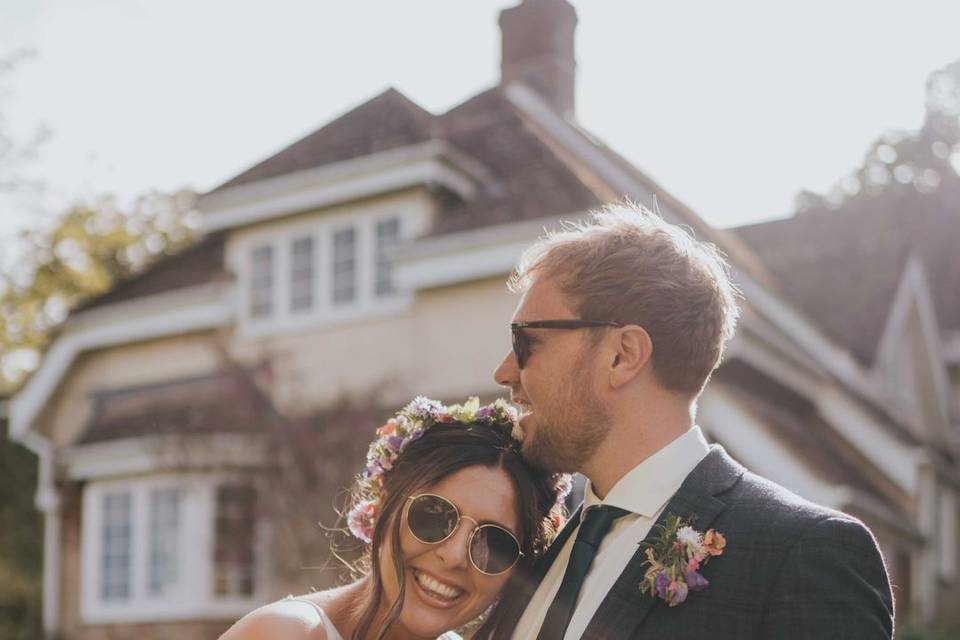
[{"x": 561, "y": 413}]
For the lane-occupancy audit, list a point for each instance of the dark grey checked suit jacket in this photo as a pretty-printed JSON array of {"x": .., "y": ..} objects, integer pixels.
[{"x": 791, "y": 569}]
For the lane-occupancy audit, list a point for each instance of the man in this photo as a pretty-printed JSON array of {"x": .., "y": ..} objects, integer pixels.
[{"x": 620, "y": 324}]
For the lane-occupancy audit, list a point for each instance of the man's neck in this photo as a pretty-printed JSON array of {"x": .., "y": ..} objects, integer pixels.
[{"x": 627, "y": 446}]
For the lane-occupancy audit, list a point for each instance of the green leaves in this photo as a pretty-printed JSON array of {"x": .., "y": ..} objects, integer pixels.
[{"x": 84, "y": 254}]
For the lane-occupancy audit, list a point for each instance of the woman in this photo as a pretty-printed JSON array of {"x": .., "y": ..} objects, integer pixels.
[{"x": 449, "y": 511}]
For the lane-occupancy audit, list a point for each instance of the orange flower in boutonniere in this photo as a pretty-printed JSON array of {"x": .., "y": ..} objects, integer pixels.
[{"x": 675, "y": 557}]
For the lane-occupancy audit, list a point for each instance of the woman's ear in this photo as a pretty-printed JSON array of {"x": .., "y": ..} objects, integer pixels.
[{"x": 634, "y": 349}]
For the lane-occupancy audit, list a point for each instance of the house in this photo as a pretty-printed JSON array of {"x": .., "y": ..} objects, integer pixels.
[
  {"x": 882, "y": 279},
  {"x": 363, "y": 265}
]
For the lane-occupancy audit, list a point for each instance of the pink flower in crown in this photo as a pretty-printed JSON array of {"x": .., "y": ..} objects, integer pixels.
[
  {"x": 388, "y": 429},
  {"x": 361, "y": 519},
  {"x": 563, "y": 485}
]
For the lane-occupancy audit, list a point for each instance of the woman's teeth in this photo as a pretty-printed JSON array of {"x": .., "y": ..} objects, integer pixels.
[{"x": 435, "y": 587}]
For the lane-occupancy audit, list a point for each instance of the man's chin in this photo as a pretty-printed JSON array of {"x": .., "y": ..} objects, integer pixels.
[{"x": 541, "y": 456}]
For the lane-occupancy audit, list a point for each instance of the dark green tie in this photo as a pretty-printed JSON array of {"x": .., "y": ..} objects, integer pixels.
[{"x": 594, "y": 526}]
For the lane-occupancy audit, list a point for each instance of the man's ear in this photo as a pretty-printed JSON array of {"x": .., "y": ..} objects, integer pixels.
[{"x": 634, "y": 351}]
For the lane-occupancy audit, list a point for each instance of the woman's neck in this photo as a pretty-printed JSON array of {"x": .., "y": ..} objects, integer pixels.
[{"x": 344, "y": 605}]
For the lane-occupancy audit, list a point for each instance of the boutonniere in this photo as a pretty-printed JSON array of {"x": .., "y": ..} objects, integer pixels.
[{"x": 675, "y": 557}]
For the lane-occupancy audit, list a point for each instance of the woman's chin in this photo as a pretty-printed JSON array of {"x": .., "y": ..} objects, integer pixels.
[{"x": 427, "y": 614}]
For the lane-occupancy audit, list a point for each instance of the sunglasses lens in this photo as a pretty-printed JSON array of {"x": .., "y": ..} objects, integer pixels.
[
  {"x": 494, "y": 549},
  {"x": 431, "y": 518},
  {"x": 519, "y": 346}
]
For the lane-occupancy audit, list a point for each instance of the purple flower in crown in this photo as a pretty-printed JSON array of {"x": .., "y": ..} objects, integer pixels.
[
  {"x": 395, "y": 442},
  {"x": 423, "y": 407},
  {"x": 485, "y": 413}
]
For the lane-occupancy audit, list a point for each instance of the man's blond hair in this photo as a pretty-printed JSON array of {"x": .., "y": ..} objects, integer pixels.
[{"x": 628, "y": 265}]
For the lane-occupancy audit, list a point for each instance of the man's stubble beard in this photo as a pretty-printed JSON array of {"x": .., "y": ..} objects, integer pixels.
[{"x": 566, "y": 443}]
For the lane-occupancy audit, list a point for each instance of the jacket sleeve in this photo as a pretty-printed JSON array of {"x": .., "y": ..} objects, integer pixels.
[{"x": 832, "y": 584}]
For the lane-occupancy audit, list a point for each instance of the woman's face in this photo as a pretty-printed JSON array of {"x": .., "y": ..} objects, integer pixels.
[{"x": 443, "y": 589}]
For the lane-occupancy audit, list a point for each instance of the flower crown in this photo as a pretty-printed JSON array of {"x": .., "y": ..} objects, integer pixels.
[{"x": 409, "y": 425}]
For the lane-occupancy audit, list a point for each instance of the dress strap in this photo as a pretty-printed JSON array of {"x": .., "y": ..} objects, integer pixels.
[
  {"x": 325, "y": 621},
  {"x": 313, "y": 604}
]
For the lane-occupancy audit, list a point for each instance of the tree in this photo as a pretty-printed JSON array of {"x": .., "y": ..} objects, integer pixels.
[
  {"x": 85, "y": 253},
  {"x": 907, "y": 165},
  {"x": 82, "y": 254},
  {"x": 15, "y": 151},
  {"x": 88, "y": 249}
]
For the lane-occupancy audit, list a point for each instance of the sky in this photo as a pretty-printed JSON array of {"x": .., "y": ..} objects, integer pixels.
[{"x": 733, "y": 106}]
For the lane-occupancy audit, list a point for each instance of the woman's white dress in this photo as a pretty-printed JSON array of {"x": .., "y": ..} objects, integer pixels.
[{"x": 333, "y": 634}]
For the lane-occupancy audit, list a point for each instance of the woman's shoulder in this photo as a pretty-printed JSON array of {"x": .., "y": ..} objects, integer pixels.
[{"x": 295, "y": 618}]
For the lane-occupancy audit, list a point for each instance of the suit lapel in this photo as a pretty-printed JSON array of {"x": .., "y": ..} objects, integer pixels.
[{"x": 625, "y": 608}]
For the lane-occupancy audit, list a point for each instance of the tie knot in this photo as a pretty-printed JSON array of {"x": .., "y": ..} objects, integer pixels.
[{"x": 596, "y": 523}]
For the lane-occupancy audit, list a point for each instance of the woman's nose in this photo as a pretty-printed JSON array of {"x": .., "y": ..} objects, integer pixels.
[{"x": 455, "y": 550}]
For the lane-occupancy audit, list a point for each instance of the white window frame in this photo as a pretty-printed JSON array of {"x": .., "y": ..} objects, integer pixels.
[
  {"x": 314, "y": 265},
  {"x": 273, "y": 282},
  {"x": 366, "y": 302},
  {"x": 376, "y": 257},
  {"x": 358, "y": 260},
  {"x": 193, "y": 596}
]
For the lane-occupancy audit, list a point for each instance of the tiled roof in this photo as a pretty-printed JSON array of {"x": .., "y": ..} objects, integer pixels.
[
  {"x": 219, "y": 403},
  {"x": 529, "y": 179},
  {"x": 197, "y": 264},
  {"x": 387, "y": 121},
  {"x": 794, "y": 421},
  {"x": 843, "y": 267}
]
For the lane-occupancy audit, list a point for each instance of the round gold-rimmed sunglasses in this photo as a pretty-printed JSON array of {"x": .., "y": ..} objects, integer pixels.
[{"x": 432, "y": 519}]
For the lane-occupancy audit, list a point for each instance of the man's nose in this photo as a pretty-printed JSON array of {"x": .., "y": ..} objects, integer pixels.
[{"x": 507, "y": 373}]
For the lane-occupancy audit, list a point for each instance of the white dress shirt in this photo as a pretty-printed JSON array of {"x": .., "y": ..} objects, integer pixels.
[{"x": 644, "y": 491}]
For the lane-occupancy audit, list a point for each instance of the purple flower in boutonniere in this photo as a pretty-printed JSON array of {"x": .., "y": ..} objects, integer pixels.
[{"x": 676, "y": 556}]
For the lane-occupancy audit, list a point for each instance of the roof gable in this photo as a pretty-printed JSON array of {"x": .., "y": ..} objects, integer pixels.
[
  {"x": 843, "y": 266},
  {"x": 387, "y": 121}
]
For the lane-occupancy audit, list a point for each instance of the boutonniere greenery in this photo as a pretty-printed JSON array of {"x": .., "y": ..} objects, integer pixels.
[{"x": 676, "y": 555}]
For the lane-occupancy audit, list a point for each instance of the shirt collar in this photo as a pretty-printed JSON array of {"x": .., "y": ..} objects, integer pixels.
[{"x": 649, "y": 485}]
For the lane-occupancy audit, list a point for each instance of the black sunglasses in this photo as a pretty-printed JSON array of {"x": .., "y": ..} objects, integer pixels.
[
  {"x": 521, "y": 342},
  {"x": 433, "y": 519}
]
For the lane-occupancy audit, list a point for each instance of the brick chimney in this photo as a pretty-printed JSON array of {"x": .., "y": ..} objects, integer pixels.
[{"x": 537, "y": 49}]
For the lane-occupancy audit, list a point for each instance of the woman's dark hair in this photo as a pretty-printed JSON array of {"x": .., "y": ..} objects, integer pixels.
[{"x": 443, "y": 450}]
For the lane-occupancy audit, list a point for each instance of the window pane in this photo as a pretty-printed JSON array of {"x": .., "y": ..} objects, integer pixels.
[
  {"x": 388, "y": 233},
  {"x": 115, "y": 549},
  {"x": 261, "y": 281},
  {"x": 233, "y": 548},
  {"x": 164, "y": 535},
  {"x": 344, "y": 266},
  {"x": 301, "y": 273}
]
